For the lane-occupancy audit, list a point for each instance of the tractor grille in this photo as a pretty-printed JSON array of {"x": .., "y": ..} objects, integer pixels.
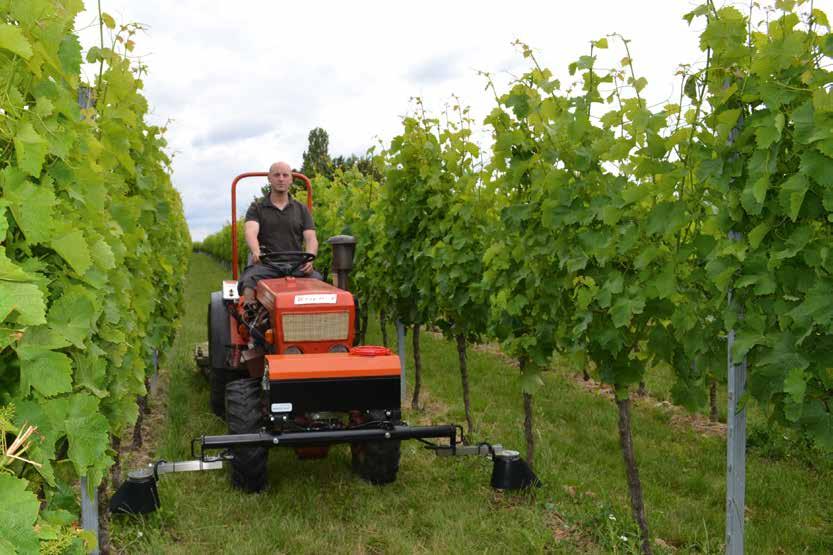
[{"x": 331, "y": 326}]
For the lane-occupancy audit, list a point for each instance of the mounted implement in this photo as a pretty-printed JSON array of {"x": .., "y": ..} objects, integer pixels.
[{"x": 285, "y": 372}]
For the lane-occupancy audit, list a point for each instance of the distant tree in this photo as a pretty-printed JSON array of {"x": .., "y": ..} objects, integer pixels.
[
  {"x": 368, "y": 167},
  {"x": 316, "y": 157},
  {"x": 362, "y": 163},
  {"x": 344, "y": 162}
]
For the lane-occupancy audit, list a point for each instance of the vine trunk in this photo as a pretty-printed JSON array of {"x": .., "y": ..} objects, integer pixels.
[
  {"x": 632, "y": 473},
  {"x": 713, "y": 416},
  {"x": 383, "y": 324},
  {"x": 417, "y": 369},
  {"x": 464, "y": 375}
]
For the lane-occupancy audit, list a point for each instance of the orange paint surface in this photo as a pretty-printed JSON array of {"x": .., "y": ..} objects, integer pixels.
[{"x": 331, "y": 365}]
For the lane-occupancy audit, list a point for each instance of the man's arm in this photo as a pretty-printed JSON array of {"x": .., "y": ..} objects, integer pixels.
[
  {"x": 311, "y": 246},
  {"x": 252, "y": 228}
]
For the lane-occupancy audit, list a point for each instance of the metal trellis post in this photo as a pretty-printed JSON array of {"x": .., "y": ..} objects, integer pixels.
[
  {"x": 89, "y": 511},
  {"x": 735, "y": 444},
  {"x": 400, "y": 341}
]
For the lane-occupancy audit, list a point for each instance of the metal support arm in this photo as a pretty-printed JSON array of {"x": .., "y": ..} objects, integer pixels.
[{"x": 299, "y": 439}]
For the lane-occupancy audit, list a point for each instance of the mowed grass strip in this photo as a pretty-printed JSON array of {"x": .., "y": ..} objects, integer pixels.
[{"x": 446, "y": 506}]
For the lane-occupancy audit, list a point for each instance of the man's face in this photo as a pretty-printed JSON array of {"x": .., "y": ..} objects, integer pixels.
[{"x": 280, "y": 178}]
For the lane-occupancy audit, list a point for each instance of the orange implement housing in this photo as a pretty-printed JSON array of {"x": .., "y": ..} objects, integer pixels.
[
  {"x": 301, "y": 384},
  {"x": 331, "y": 366}
]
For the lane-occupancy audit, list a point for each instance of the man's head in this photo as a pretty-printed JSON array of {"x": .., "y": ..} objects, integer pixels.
[{"x": 280, "y": 177}]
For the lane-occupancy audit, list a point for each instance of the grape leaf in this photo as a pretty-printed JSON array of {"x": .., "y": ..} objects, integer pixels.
[
  {"x": 4, "y": 223},
  {"x": 817, "y": 420},
  {"x": 36, "y": 339},
  {"x": 744, "y": 341},
  {"x": 24, "y": 299},
  {"x": 757, "y": 234},
  {"x": 108, "y": 20},
  {"x": 87, "y": 431},
  {"x": 73, "y": 248},
  {"x": 795, "y": 385},
  {"x": 31, "y": 205},
  {"x": 49, "y": 372},
  {"x": 91, "y": 372},
  {"x": 12, "y": 39},
  {"x": 817, "y": 167},
  {"x": 624, "y": 308},
  {"x": 73, "y": 315},
  {"x": 792, "y": 194},
  {"x": 10, "y": 271},
  {"x": 102, "y": 255},
  {"x": 30, "y": 149},
  {"x": 18, "y": 513},
  {"x": 69, "y": 53},
  {"x": 49, "y": 415}
]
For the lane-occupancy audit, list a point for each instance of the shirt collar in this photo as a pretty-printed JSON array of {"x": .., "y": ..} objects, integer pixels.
[{"x": 267, "y": 202}]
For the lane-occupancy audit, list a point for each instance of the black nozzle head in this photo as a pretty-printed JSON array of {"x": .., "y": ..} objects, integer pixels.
[
  {"x": 511, "y": 472},
  {"x": 137, "y": 495}
]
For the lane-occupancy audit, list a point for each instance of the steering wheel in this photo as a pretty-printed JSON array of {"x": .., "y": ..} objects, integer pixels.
[{"x": 286, "y": 262}]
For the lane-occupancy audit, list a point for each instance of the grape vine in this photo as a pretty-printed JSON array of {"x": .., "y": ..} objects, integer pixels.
[
  {"x": 94, "y": 250},
  {"x": 606, "y": 230}
]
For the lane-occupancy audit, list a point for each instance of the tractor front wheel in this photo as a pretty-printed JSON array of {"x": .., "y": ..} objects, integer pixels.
[
  {"x": 244, "y": 416},
  {"x": 376, "y": 461},
  {"x": 219, "y": 337}
]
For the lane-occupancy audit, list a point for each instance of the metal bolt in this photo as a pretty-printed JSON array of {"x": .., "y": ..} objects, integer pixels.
[
  {"x": 275, "y": 440},
  {"x": 387, "y": 413},
  {"x": 387, "y": 435},
  {"x": 271, "y": 419},
  {"x": 284, "y": 418}
]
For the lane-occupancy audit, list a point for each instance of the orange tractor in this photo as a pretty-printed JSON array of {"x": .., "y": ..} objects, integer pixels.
[{"x": 288, "y": 374}]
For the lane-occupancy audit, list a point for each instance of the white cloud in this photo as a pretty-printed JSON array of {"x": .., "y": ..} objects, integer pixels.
[{"x": 244, "y": 82}]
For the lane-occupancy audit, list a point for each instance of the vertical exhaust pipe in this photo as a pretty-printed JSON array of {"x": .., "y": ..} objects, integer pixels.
[{"x": 344, "y": 248}]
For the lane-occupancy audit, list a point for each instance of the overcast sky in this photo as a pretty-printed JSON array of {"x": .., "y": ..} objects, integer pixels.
[{"x": 243, "y": 82}]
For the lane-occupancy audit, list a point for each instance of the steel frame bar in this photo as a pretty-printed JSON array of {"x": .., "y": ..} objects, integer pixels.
[{"x": 301, "y": 439}]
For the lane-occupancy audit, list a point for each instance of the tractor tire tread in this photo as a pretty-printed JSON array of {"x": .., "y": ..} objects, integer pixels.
[
  {"x": 376, "y": 461},
  {"x": 219, "y": 334},
  {"x": 244, "y": 415}
]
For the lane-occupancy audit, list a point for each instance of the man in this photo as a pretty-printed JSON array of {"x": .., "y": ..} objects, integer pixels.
[{"x": 276, "y": 223}]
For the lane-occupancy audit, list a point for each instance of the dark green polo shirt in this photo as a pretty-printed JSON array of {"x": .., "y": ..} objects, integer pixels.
[{"x": 280, "y": 230}]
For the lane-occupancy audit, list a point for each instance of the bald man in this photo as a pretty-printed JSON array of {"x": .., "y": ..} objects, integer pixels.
[{"x": 276, "y": 223}]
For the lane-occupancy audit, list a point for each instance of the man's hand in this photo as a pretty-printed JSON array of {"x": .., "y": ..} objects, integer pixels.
[
  {"x": 307, "y": 268},
  {"x": 256, "y": 256}
]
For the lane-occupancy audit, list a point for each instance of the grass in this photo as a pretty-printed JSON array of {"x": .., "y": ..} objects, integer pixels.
[{"x": 446, "y": 506}]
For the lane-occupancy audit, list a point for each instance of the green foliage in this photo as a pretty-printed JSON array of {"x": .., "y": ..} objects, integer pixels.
[
  {"x": 348, "y": 205},
  {"x": 775, "y": 178},
  {"x": 218, "y": 245},
  {"x": 413, "y": 174},
  {"x": 88, "y": 297},
  {"x": 600, "y": 227},
  {"x": 456, "y": 227}
]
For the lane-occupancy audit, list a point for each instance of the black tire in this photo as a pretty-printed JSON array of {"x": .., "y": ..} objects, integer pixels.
[
  {"x": 218, "y": 378},
  {"x": 376, "y": 461},
  {"x": 244, "y": 415},
  {"x": 219, "y": 337}
]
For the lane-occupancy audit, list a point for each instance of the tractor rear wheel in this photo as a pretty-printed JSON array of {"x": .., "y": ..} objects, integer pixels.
[
  {"x": 376, "y": 461},
  {"x": 219, "y": 336},
  {"x": 244, "y": 416}
]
